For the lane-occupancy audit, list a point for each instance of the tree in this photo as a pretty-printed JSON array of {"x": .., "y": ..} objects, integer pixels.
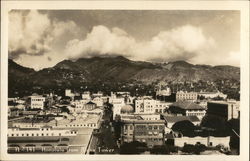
[
  {"x": 234, "y": 126},
  {"x": 117, "y": 124},
  {"x": 185, "y": 127},
  {"x": 134, "y": 147},
  {"x": 194, "y": 149},
  {"x": 163, "y": 149},
  {"x": 216, "y": 123},
  {"x": 64, "y": 109}
]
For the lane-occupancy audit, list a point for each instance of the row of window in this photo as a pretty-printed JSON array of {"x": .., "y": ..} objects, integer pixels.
[
  {"x": 37, "y": 134},
  {"x": 195, "y": 114},
  {"x": 150, "y": 127},
  {"x": 37, "y": 99},
  {"x": 81, "y": 125}
]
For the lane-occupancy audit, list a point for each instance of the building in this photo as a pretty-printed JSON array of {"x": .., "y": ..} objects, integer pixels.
[
  {"x": 86, "y": 95},
  {"x": 43, "y": 131},
  {"x": 49, "y": 140},
  {"x": 13, "y": 112},
  {"x": 117, "y": 103},
  {"x": 209, "y": 141},
  {"x": 37, "y": 102},
  {"x": 90, "y": 106},
  {"x": 184, "y": 108},
  {"x": 171, "y": 120},
  {"x": 186, "y": 96},
  {"x": 79, "y": 106},
  {"x": 98, "y": 101},
  {"x": 212, "y": 95},
  {"x": 150, "y": 132},
  {"x": 148, "y": 105},
  {"x": 98, "y": 94},
  {"x": 68, "y": 93},
  {"x": 223, "y": 110},
  {"x": 163, "y": 92}
]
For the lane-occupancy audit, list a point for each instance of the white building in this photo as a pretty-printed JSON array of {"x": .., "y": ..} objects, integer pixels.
[
  {"x": 86, "y": 95},
  {"x": 149, "y": 106},
  {"x": 186, "y": 96},
  {"x": 45, "y": 131},
  {"x": 69, "y": 93},
  {"x": 37, "y": 101},
  {"x": 163, "y": 92},
  {"x": 117, "y": 103},
  {"x": 213, "y": 94},
  {"x": 209, "y": 141},
  {"x": 98, "y": 101}
]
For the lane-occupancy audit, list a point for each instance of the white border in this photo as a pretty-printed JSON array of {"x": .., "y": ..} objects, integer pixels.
[{"x": 243, "y": 6}]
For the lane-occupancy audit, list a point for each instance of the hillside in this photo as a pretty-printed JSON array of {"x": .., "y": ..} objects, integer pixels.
[{"x": 116, "y": 69}]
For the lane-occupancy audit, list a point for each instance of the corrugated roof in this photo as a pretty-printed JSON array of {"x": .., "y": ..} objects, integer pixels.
[{"x": 187, "y": 105}]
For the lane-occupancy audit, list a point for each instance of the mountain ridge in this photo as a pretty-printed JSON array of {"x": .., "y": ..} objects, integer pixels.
[{"x": 117, "y": 69}]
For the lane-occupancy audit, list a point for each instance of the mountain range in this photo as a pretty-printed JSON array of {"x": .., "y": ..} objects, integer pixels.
[{"x": 117, "y": 69}]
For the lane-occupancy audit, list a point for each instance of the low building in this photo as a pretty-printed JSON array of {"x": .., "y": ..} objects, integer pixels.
[
  {"x": 98, "y": 101},
  {"x": 223, "y": 110},
  {"x": 13, "y": 112},
  {"x": 43, "y": 131},
  {"x": 186, "y": 96},
  {"x": 184, "y": 108},
  {"x": 150, "y": 132},
  {"x": 98, "y": 94},
  {"x": 209, "y": 141},
  {"x": 68, "y": 93},
  {"x": 86, "y": 95},
  {"x": 46, "y": 140},
  {"x": 212, "y": 94}
]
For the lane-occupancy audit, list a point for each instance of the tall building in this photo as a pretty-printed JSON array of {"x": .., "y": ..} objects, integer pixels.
[
  {"x": 37, "y": 101},
  {"x": 117, "y": 103},
  {"x": 186, "y": 96},
  {"x": 224, "y": 110},
  {"x": 148, "y": 105},
  {"x": 150, "y": 132}
]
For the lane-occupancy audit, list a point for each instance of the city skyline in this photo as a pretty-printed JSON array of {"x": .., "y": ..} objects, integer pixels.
[{"x": 49, "y": 36}]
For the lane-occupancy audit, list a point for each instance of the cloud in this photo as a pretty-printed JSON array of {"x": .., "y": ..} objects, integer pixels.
[
  {"x": 35, "y": 34},
  {"x": 28, "y": 33},
  {"x": 181, "y": 43}
]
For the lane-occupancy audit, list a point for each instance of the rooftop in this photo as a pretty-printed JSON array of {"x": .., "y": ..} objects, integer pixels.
[
  {"x": 187, "y": 105},
  {"x": 174, "y": 119}
]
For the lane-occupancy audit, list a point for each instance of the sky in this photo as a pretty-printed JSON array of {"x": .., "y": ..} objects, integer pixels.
[{"x": 41, "y": 38}]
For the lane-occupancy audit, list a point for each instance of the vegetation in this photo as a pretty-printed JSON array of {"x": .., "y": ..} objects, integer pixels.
[
  {"x": 193, "y": 149},
  {"x": 185, "y": 127},
  {"x": 134, "y": 147},
  {"x": 163, "y": 149}
]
